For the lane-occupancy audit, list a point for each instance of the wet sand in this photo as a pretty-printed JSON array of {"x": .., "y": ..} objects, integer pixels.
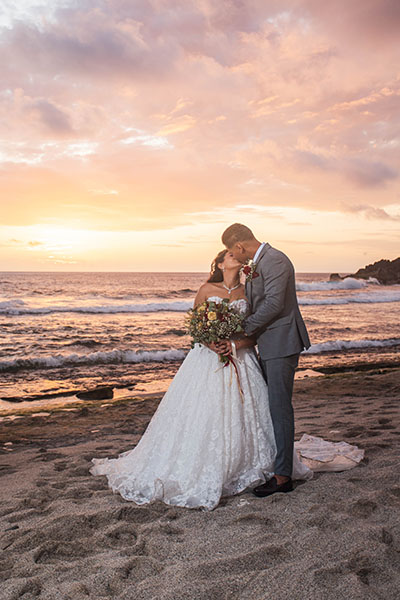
[{"x": 65, "y": 535}]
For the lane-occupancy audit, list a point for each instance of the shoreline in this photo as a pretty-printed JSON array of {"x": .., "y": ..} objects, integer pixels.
[
  {"x": 141, "y": 406},
  {"x": 64, "y": 534},
  {"x": 68, "y": 402},
  {"x": 170, "y": 367}
]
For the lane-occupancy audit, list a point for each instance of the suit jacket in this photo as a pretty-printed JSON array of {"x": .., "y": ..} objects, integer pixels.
[{"x": 276, "y": 319}]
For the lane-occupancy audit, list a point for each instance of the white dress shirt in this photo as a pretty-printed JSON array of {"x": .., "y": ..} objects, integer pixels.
[{"x": 257, "y": 254}]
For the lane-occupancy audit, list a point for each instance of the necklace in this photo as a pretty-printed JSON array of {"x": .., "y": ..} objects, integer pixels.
[{"x": 228, "y": 289}]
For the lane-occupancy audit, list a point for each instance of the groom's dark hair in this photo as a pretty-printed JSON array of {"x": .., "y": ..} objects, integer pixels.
[{"x": 236, "y": 233}]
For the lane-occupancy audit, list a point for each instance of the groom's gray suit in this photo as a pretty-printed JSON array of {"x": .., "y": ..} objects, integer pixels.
[{"x": 281, "y": 336}]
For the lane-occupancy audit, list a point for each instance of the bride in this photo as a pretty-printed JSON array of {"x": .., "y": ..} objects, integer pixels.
[{"x": 205, "y": 440}]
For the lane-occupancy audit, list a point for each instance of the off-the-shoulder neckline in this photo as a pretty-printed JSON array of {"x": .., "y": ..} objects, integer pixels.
[{"x": 230, "y": 302}]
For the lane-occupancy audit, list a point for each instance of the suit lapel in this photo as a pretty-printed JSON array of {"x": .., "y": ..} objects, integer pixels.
[
  {"x": 247, "y": 289},
  {"x": 262, "y": 253},
  {"x": 249, "y": 286}
]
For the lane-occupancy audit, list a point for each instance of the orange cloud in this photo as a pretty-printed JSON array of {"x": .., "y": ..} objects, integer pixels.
[{"x": 148, "y": 116}]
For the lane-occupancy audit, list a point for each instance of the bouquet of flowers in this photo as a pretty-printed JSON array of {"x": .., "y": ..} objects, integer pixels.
[{"x": 213, "y": 321}]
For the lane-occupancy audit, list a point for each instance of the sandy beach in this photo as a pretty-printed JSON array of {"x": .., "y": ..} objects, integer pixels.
[{"x": 65, "y": 535}]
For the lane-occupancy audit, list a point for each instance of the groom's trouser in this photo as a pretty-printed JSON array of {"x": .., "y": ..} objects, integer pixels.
[{"x": 279, "y": 375}]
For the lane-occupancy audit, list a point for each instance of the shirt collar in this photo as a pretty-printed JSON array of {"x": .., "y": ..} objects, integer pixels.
[{"x": 257, "y": 254}]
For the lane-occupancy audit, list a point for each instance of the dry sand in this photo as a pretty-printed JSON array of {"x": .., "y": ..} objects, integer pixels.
[{"x": 65, "y": 535}]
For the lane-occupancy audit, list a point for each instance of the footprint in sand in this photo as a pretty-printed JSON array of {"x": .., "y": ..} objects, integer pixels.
[
  {"x": 61, "y": 465},
  {"x": 134, "y": 514},
  {"x": 330, "y": 576},
  {"x": 174, "y": 513},
  {"x": 53, "y": 552},
  {"x": 263, "y": 558},
  {"x": 78, "y": 493},
  {"x": 27, "y": 514},
  {"x": 6, "y": 470},
  {"x": 47, "y": 456},
  {"x": 121, "y": 536},
  {"x": 30, "y": 589},
  {"x": 362, "y": 508},
  {"x": 354, "y": 432},
  {"x": 38, "y": 500},
  {"x": 325, "y": 522},
  {"x": 98, "y": 486},
  {"x": 169, "y": 529},
  {"x": 112, "y": 582},
  {"x": 59, "y": 485},
  {"x": 78, "y": 472},
  {"x": 362, "y": 567},
  {"x": 253, "y": 519},
  {"x": 70, "y": 537},
  {"x": 104, "y": 447}
]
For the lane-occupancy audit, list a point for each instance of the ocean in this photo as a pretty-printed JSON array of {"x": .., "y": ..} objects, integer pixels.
[{"x": 65, "y": 332}]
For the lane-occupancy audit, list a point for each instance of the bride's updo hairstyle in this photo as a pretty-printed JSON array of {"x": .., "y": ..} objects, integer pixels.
[{"x": 216, "y": 274}]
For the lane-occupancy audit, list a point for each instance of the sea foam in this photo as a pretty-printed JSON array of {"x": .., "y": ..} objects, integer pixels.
[
  {"x": 349, "y": 283},
  {"x": 19, "y": 307},
  {"x": 359, "y": 298},
  {"x": 173, "y": 354},
  {"x": 350, "y": 344},
  {"x": 98, "y": 358}
]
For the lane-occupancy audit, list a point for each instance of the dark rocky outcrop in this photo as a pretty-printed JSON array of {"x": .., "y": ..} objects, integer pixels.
[
  {"x": 99, "y": 393},
  {"x": 387, "y": 272}
]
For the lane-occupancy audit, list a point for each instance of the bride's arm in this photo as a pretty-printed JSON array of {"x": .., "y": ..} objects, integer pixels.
[
  {"x": 225, "y": 346},
  {"x": 201, "y": 295}
]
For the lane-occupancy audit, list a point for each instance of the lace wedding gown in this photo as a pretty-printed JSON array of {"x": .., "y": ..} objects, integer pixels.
[{"x": 204, "y": 441}]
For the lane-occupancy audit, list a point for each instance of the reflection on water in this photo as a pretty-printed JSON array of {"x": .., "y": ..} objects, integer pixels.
[{"x": 45, "y": 353}]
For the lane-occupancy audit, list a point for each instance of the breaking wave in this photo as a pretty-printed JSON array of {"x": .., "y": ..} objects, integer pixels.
[
  {"x": 98, "y": 358},
  {"x": 141, "y": 356},
  {"x": 19, "y": 307},
  {"x": 349, "y": 283},
  {"x": 350, "y": 344}
]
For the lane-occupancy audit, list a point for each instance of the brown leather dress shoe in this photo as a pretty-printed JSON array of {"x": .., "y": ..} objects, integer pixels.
[{"x": 272, "y": 487}]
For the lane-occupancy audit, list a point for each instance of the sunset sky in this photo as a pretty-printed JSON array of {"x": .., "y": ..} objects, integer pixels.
[{"x": 132, "y": 132}]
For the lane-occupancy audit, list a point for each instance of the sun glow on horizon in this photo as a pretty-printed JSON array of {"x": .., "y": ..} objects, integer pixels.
[
  {"x": 318, "y": 241},
  {"x": 125, "y": 145}
]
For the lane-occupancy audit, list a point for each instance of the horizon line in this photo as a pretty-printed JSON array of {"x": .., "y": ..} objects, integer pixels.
[{"x": 155, "y": 272}]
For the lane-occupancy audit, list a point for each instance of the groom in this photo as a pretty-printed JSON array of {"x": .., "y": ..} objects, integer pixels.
[{"x": 281, "y": 335}]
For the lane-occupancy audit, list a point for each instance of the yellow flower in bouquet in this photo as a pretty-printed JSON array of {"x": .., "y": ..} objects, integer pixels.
[{"x": 212, "y": 316}]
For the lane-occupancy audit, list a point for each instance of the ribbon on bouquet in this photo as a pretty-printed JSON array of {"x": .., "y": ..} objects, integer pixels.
[{"x": 229, "y": 360}]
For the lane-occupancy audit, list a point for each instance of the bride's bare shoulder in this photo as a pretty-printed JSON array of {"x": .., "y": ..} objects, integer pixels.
[{"x": 204, "y": 291}]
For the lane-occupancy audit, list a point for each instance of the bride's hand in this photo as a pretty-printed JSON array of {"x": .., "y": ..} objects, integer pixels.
[
  {"x": 224, "y": 347},
  {"x": 213, "y": 346}
]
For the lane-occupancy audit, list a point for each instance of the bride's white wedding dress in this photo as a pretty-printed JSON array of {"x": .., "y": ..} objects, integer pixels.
[{"x": 204, "y": 441}]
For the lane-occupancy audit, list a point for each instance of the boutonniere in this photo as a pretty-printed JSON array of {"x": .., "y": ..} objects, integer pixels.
[{"x": 248, "y": 271}]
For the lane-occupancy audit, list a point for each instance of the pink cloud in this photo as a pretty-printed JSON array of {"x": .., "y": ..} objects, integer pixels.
[{"x": 177, "y": 105}]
